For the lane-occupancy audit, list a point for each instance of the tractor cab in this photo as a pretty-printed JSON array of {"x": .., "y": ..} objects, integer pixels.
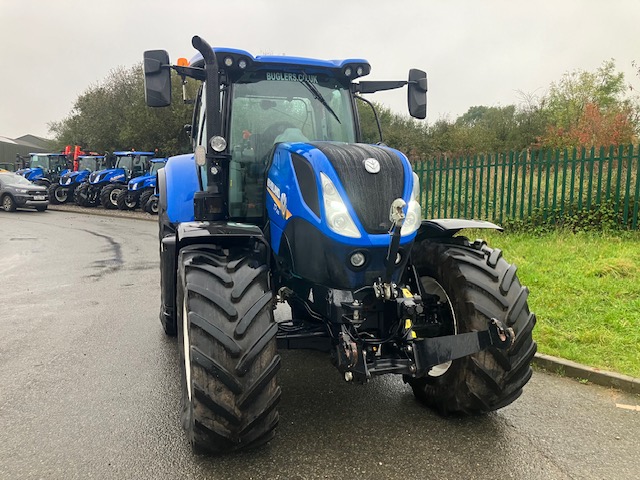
[
  {"x": 91, "y": 163},
  {"x": 133, "y": 163},
  {"x": 45, "y": 168},
  {"x": 264, "y": 101}
]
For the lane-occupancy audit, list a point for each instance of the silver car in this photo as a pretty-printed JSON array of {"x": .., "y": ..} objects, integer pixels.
[{"x": 18, "y": 192}]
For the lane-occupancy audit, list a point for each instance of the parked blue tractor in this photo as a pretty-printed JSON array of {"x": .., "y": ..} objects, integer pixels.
[
  {"x": 64, "y": 190},
  {"x": 45, "y": 168},
  {"x": 140, "y": 189},
  {"x": 282, "y": 202},
  {"x": 104, "y": 186}
]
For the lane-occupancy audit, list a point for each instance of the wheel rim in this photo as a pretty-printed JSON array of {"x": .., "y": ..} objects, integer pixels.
[
  {"x": 431, "y": 285},
  {"x": 6, "y": 203},
  {"x": 61, "y": 194},
  {"x": 130, "y": 202},
  {"x": 154, "y": 207},
  {"x": 186, "y": 347}
]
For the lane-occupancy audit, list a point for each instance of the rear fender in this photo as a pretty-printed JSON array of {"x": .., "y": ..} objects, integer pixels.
[{"x": 448, "y": 227}]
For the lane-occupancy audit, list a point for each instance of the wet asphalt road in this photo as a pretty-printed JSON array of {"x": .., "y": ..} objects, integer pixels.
[{"x": 89, "y": 387}]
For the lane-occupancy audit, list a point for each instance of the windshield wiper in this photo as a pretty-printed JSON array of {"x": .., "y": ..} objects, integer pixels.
[{"x": 318, "y": 96}]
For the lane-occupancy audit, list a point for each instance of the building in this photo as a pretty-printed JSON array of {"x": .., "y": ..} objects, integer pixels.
[{"x": 23, "y": 146}]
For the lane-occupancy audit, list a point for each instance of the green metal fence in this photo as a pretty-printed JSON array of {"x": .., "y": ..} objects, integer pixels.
[{"x": 516, "y": 185}]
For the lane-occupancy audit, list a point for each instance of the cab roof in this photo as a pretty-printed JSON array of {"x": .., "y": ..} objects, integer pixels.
[
  {"x": 282, "y": 61},
  {"x": 132, "y": 153}
]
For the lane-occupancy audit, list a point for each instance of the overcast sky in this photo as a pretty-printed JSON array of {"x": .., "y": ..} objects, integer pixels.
[{"x": 475, "y": 52}]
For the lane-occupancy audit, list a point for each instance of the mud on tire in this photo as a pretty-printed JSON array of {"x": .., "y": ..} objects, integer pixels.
[
  {"x": 479, "y": 284},
  {"x": 226, "y": 336}
]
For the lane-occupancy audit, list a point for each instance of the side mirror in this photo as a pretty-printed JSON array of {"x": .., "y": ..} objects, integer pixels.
[
  {"x": 157, "y": 78},
  {"x": 417, "y": 93}
]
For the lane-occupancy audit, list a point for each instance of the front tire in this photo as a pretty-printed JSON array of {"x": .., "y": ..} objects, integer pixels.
[
  {"x": 127, "y": 200},
  {"x": 144, "y": 198},
  {"x": 478, "y": 284},
  {"x": 109, "y": 196},
  {"x": 8, "y": 203},
  {"x": 152, "y": 206},
  {"x": 52, "y": 190},
  {"x": 226, "y": 334},
  {"x": 81, "y": 195}
]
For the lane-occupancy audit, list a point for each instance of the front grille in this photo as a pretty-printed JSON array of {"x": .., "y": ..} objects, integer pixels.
[{"x": 370, "y": 194}]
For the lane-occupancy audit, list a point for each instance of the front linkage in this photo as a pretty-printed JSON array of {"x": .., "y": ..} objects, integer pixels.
[{"x": 412, "y": 346}]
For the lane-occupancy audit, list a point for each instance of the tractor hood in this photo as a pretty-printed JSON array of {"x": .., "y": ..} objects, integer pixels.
[
  {"x": 74, "y": 177},
  {"x": 108, "y": 175},
  {"x": 31, "y": 173},
  {"x": 366, "y": 178},
  {"x": 143, "y": 181}
]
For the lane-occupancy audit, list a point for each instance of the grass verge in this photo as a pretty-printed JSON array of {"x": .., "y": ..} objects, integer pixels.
[{"x": 585, "y": 291}]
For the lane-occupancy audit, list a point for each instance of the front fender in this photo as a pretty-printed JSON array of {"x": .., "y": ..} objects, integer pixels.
[
  {"x": 179, "y": 184},
  {"x": 222, "y": 234},
  {"x": 448, "y": 227}
]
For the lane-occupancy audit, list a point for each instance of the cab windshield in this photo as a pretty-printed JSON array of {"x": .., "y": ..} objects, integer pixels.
[
  {"x": 39, "y": 161},
  {"x": 155, "y": 166},
  {"x": 273, "y": 107},
  {"x": 89, "y": 163},
  {"x": 133, "y": 165}
]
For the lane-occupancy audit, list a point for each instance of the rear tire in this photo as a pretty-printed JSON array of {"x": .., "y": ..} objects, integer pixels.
[
  {"x": 227, "y": 340},
  {"x": 479, "y": 285}
]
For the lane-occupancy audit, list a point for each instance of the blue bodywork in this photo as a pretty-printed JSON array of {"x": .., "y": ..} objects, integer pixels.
[
  {"x": 285, "y": 204},
  {"x": 38, "y": 173},
  {"x": 280, "y": 60},
  {"x": 117, "y": 175},
  {"x": 181, "y": 184},
  {"x": 148, "y": 180},
  {"x": 281, "y": 179},
  {"x": 71, "y": 179}
]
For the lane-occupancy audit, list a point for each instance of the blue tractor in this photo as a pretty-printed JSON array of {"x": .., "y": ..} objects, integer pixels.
[
  {"x": 104, "y": 186},
  {"x": 64, "y": 190},
  {"x": 280, "y": 201},
  {"x": 45, "y": 168},
  {"x": 140, "y": 189}
]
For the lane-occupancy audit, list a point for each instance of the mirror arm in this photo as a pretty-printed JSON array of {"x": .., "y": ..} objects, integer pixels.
[{"x": 192, "y": 72}]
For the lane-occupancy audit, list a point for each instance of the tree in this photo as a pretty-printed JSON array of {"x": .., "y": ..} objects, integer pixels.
[
  {"x": 586, "y": 109},
  {"x": 113, "y": 116}
]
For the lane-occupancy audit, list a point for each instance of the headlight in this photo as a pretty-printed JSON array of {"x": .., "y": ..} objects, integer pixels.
[
  {"x": 335, "y": 210},
  {"x": 21, "y": 190},
  {"x": 134, "y": 186},
  {"x": 413, "y": 218},
  {"x": 218, "y": 143}
]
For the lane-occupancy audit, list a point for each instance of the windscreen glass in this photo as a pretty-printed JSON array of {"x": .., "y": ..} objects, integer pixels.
[{"x": 272, "y": 107}]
